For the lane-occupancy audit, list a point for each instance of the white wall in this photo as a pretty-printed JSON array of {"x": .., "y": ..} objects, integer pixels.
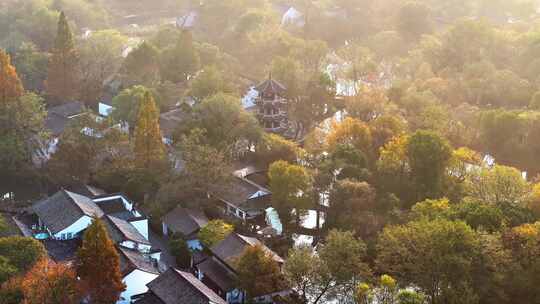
[
  {"x": 141, "y": 226},
  {"x": 127, "y": 204},
  {"x": 135, "y": 284},
  {"x": 75, "y": 228},
  {"x": 105, "y": 109}
]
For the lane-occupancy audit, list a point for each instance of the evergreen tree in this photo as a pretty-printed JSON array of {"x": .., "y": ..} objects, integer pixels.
[
  {"x": 10, "y": 84},
  {"x": 181, "y": 61},
  {"x": 98, "y": 265},
  {"x": 63, "y": 74},
  {"x": 149, "y": 148}
]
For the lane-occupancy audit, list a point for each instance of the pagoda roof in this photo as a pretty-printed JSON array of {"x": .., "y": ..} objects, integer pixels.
[{"x": 271, "y": 86}]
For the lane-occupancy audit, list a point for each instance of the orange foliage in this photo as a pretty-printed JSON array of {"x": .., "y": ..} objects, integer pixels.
[
  {"x": 10, "y": 84},
  {"x": 48, "y": 282}
]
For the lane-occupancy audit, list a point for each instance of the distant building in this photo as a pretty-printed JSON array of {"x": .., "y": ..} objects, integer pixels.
[{"x": 272, "y": 106}]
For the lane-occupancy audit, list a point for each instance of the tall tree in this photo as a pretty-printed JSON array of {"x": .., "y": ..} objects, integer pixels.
[
  {"x": 291, "y": 187},
  {"x": 149, "y": 147},
  {"x": 141, "y": 66},
  {"x": 429, "y": 156},
  {"x": 10, "y": 85},
  {"x": 332, "y": 273},
  {"x": 63, "y": 75},
  {"x": 20, "y": 253},
  {"x": 98, "y": 265},
  {"x": 181, "y": 61},
  {"x": 258, "y": 273},
  {"x": 50, "y": 282},
  {"x": 437, "y": 256}
]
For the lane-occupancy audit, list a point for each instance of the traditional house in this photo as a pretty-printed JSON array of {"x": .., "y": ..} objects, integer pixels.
[
  {"x": 243, "y": 199},
  {"x": 272, "y": 106},
  {"x": 137, "y": 271},
  {"x": 185, "y": 223},
  {"x": 61, "y": 219},
  {"x": 178, "y": 287},
  {"x": 219, "y": 271}
]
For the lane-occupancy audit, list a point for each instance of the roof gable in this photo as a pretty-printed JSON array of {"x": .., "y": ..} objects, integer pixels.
[
  {"x": 63, "y": 209},
  {"x": 121, "y": 230},
  {"x": 179, "y": 287}
]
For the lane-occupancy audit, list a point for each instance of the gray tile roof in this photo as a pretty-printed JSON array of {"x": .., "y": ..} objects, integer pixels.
[
  {"x": 64, "y": 208},
  {"x": 233, "y": 246},
  {"x": 240, "y": 194},
  {"x": 179, "y": 287},
  {"x": 68, "y": 109},
  {"x": 185, "y": 221},
  {"x": 218, "y": 273},
  {"x": 121, "y": 230},
  {"x": 271, "y": 86},
  {"x": 131, "y": 259}
]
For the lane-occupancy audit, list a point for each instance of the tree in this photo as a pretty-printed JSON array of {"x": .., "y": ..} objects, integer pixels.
[
  {"x": 31, "y": 65},
  {"x": 126, "y": 104},
  {"x": 332, "y": 274},
  {"x": 273, "y": 147},
  {"x": 98, "y": 265},
  {"x": 437, "y": 256},
  {"x": 208, "y": 82},
  {"x": 351, "y": 132},
  {"x": 100, "y": 57},
  {"x": 81, "y": 149},
  {"x": 524, "y": 245},
  {"x": 180, "y": 62},
  {"x": 49, "y": 282},
  {"x": 290, "y": 186},
  {"x": 21, "y": 252},
  {"x": 500, "y": 184},
  {"x": 429, "y": 156},
  {"x": 214, "y": 232},
  {"x": 149, "y": 147},
  {"x": 180, "y": 250},
  {"x": 141, "y": 66},
  {"x": 7, "y": 270},
  {"x": 10, "y": 85},
  {"x": 258, "y": 272},
  {"x": 63, "y": 77},
  {"x": 414, "y": 19},
  {"x": 226, "y": 123},
  {"x": 207, "y": 169},
  {"x": 352, "y": 206}
]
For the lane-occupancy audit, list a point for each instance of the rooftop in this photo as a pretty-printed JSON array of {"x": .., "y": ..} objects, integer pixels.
[
  {"x": 171, "y": 287},
  {"x": 64, "y": 208},
  {"x": 185, "y": 221},
  {"x": 121, "y": 230},
  {"x": 131, "y": 260}
]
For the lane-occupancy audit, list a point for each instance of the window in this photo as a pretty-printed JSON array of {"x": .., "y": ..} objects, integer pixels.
[
  {"x": 63, "y": 236},
  {"x": 69, "y": 235}
]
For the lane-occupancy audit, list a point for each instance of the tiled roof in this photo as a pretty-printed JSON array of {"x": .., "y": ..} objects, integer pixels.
[
  {"x": 241, "y": 191},
  {"x": 233, "y": 246},
  {"x": 131, "y": 259},
  {"x": 64, "y": 208},
  {"x": 121, "y": 230},
  {"x": 185, "y": 221},
  {"x": 178, "y": 287},
  {"x": 218, "y": 273},
  {"x": 68, "y": 109},
  {"x": 271, "y": 86}
]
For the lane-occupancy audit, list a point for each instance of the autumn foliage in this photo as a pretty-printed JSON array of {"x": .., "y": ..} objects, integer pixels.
[
  {"x": 10, "y": 84},
  {"x": 149, "y": 148},
  {"x": 48, "y": 282},
  {"x": 98, "y": 265}
]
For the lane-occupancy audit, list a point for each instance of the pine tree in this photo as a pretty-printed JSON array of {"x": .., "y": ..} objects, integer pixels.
[
  {"x": 98, "y": 265},
  {"x": 10, "y": 84},
  {"x": 63, "y": 75},
  {"x": 149, "y": 148}
]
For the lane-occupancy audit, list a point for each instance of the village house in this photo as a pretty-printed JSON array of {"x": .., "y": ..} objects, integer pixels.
[
  {"x": 61, "y": 219},
  {"x": 219, "y": 272},
  {"x": 185, "y": 223},
  {"x": 243, "y": 199},
  {"x": 178, "y": 287}
]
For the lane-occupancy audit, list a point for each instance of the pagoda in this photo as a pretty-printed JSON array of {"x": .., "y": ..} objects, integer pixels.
[{"x": 272, "y": 106}]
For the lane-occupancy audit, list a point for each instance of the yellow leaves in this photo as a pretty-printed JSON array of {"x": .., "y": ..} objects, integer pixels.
[
  {"x": 350, "y": 132},
  {"x": 10, "y": 84},
  {"x": 149, "y": 147}
]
